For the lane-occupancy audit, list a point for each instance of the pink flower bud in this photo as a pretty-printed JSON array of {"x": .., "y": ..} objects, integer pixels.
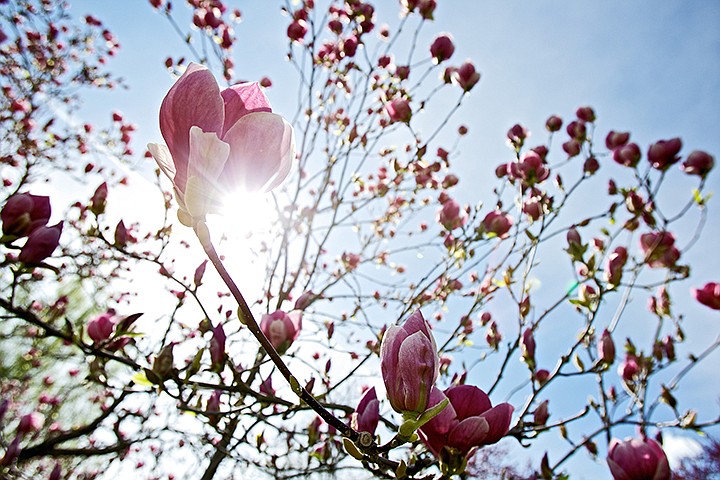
[
  {"x": 469, "y": 421},
  {"x": 281, "y": 328},
  {"x": 217, "y": 348},
  {"x": 367, "y": 414},
  {"x": 442, "y": 48},
  {"x": 402, "y": 72},
  {"x": 266, "y": 387},
  {"x": 586, "y": 114},
  {"x": 30, "y": 423},
  {"x": 698, "y": 163},
  {"x": 614, "y": 266},
  {"x": 627, "y": 155},
  {"x": 102, "y": 327},
  {"x": 41, "y": 243},
  {"x": 121, "y": 235},
  {"x": 542, "y": 376},
  {"x": 399, "y": 110},
  {"x": 305, "y": 300},
  {"x": 541, "y": 414},
  {"x": 56, "y": 472},
  {"x": 606, "y": 348},
  {"x": 577, "y": 130},
  {"x": 664, "y": 153},
  {"x": 498, "y": 223},
  {"x": 553, "y": 123},
  {"x": 591, "y": 165},
  {"x": 219, "y": 141},
  {"x": 709, "y": 295},
  {"x": 572, "y": 147},
  {"x": 426, "y": 8},
  {"x": 24, "y": 213},
  {"x": 199, "y": 273},
  {"x": 573, "y": 237},
  {"x": 659, "y": 249},
  {"x": 410, "y": 364},
  {"x": 99, "y": 199},
  {"x": 466, "y": 76},
  {"x": 351, "y": 260},
  {"x": 527, "y": 347},
  {"x": 493, "y": 336},
  {"x": 616, "y": 140},
  {"x": 296, "y": 31},
  {"x": 637, "y": 458},
  {"x": 451, "y": 216},
  {"x": 517, "y": 135},
  {"x": 629, "y": 368}
]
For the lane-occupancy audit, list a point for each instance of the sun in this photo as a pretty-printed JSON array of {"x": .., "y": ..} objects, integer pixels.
[{"x": 247, "y": 215}]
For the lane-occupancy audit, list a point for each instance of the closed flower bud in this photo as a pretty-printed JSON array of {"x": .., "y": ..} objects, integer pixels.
[
  {"x": 217, "y": 348},
  {"x": 102, "y": 327},
  {"x": 527, "y": 347},
  {"x": 616, "y": 140},
  {"x": 41, "y": 243},
  {"x": 637, "y": 458},
  {"x": 606, "y": 348},
  {"x": 541, "y": 414},
  {"x": 553, "y": 123},
  {"x": 281, "y": 328},
  {"x": 30, "y": 423},
  {"x": 628, "y": 155},
  {"x": 451, "y": 216},
  {"x": 99, "y": 200},
  {"x": 664, "y": 153},
  {"x": 442, "y": 48},
  {"x": 121, "y": 235},
  {"x": 410, "y": 364},
  {"x": 367, "y": 414},
  {"x": 698, "y": 163},
  {"x": 586, "y": 114},
  {"x": 399, "y": 110}
]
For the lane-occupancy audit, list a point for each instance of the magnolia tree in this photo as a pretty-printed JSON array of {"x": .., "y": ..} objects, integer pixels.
[{"x": 375, "y": 325}]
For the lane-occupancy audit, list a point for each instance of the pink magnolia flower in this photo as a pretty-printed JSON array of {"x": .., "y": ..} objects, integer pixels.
[
  {"x": 442, "y": 48},
  {"x": 451, "y": 215},
  {"x": 659, "y": 249},
  {"x": 498, "y": 223},
  {"x": 24, "y": 213},
  {"x": 367, "y": 414},
  {"x": 102, "y": 327},
  {"x": 664, "y": 153},
  {"x": 553, "y": 123},
  {"x": 468, "y": 422},
  {"x": 586, "y": 114},
  {"x": 399, "y": 110},
  {"x": 32, "y": 422},
  {"x": 629, "y": 368},
  {"x": 530, "y": 169},
  {"x": 698, "y": 163},
  {"x": 281, "y": 328},
  {"x": 41, "y": 243},
  {"x": 219, "y": 141},
  {"x": 637, "y": 459},
  {"x": 410, "y": 364},
  {"x": 615, "y": 140},
  {"x": 709, "y": 295},
  {"x": 627, "y": 155},
  {"x": 465, "y": 76}
]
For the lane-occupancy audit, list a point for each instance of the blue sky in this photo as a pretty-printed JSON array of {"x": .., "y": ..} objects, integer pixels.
[{"x": 648, "y": 66}]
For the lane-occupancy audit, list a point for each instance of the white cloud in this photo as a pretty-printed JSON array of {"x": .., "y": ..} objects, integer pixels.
[{"x": 678, "y": 447}]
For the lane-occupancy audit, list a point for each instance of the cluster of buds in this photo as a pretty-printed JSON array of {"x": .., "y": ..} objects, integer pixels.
[{"x": 25, "y": 216}]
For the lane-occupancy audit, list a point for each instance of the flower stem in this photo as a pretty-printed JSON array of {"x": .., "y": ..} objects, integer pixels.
[{"x": 247, "y": 318}]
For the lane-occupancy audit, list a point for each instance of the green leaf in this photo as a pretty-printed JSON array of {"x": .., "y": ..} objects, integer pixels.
[{"x": 141, "y": 379}]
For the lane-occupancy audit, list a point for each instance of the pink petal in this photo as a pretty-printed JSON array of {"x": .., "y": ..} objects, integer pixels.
[
  {"x": 162, "y": 156},
  {"x": 296, "y": 322},
  {"x": 208, "y": 155},
  {"x": 261, "y": 150},
  {"x": 445, "y": 420},
  {"x": 416, "y": 370},
  {"x": 468, "y": 401},
  {"x": 498, "y": 418},
  {"x": 194, "y": 100},
  {"x": 242, "y": 99},
  {"x": 469, "y": 433}
]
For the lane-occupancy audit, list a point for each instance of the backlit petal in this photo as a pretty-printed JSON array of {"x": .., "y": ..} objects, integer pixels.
[{"x": 242, "y": 99}]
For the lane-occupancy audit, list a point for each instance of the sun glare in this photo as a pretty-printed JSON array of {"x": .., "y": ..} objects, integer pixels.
[{"x": 247, "y": 214}]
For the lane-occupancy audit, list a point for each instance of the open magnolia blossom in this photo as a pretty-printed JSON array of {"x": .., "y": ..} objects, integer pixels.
[{"x": 219, "y": 141}]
